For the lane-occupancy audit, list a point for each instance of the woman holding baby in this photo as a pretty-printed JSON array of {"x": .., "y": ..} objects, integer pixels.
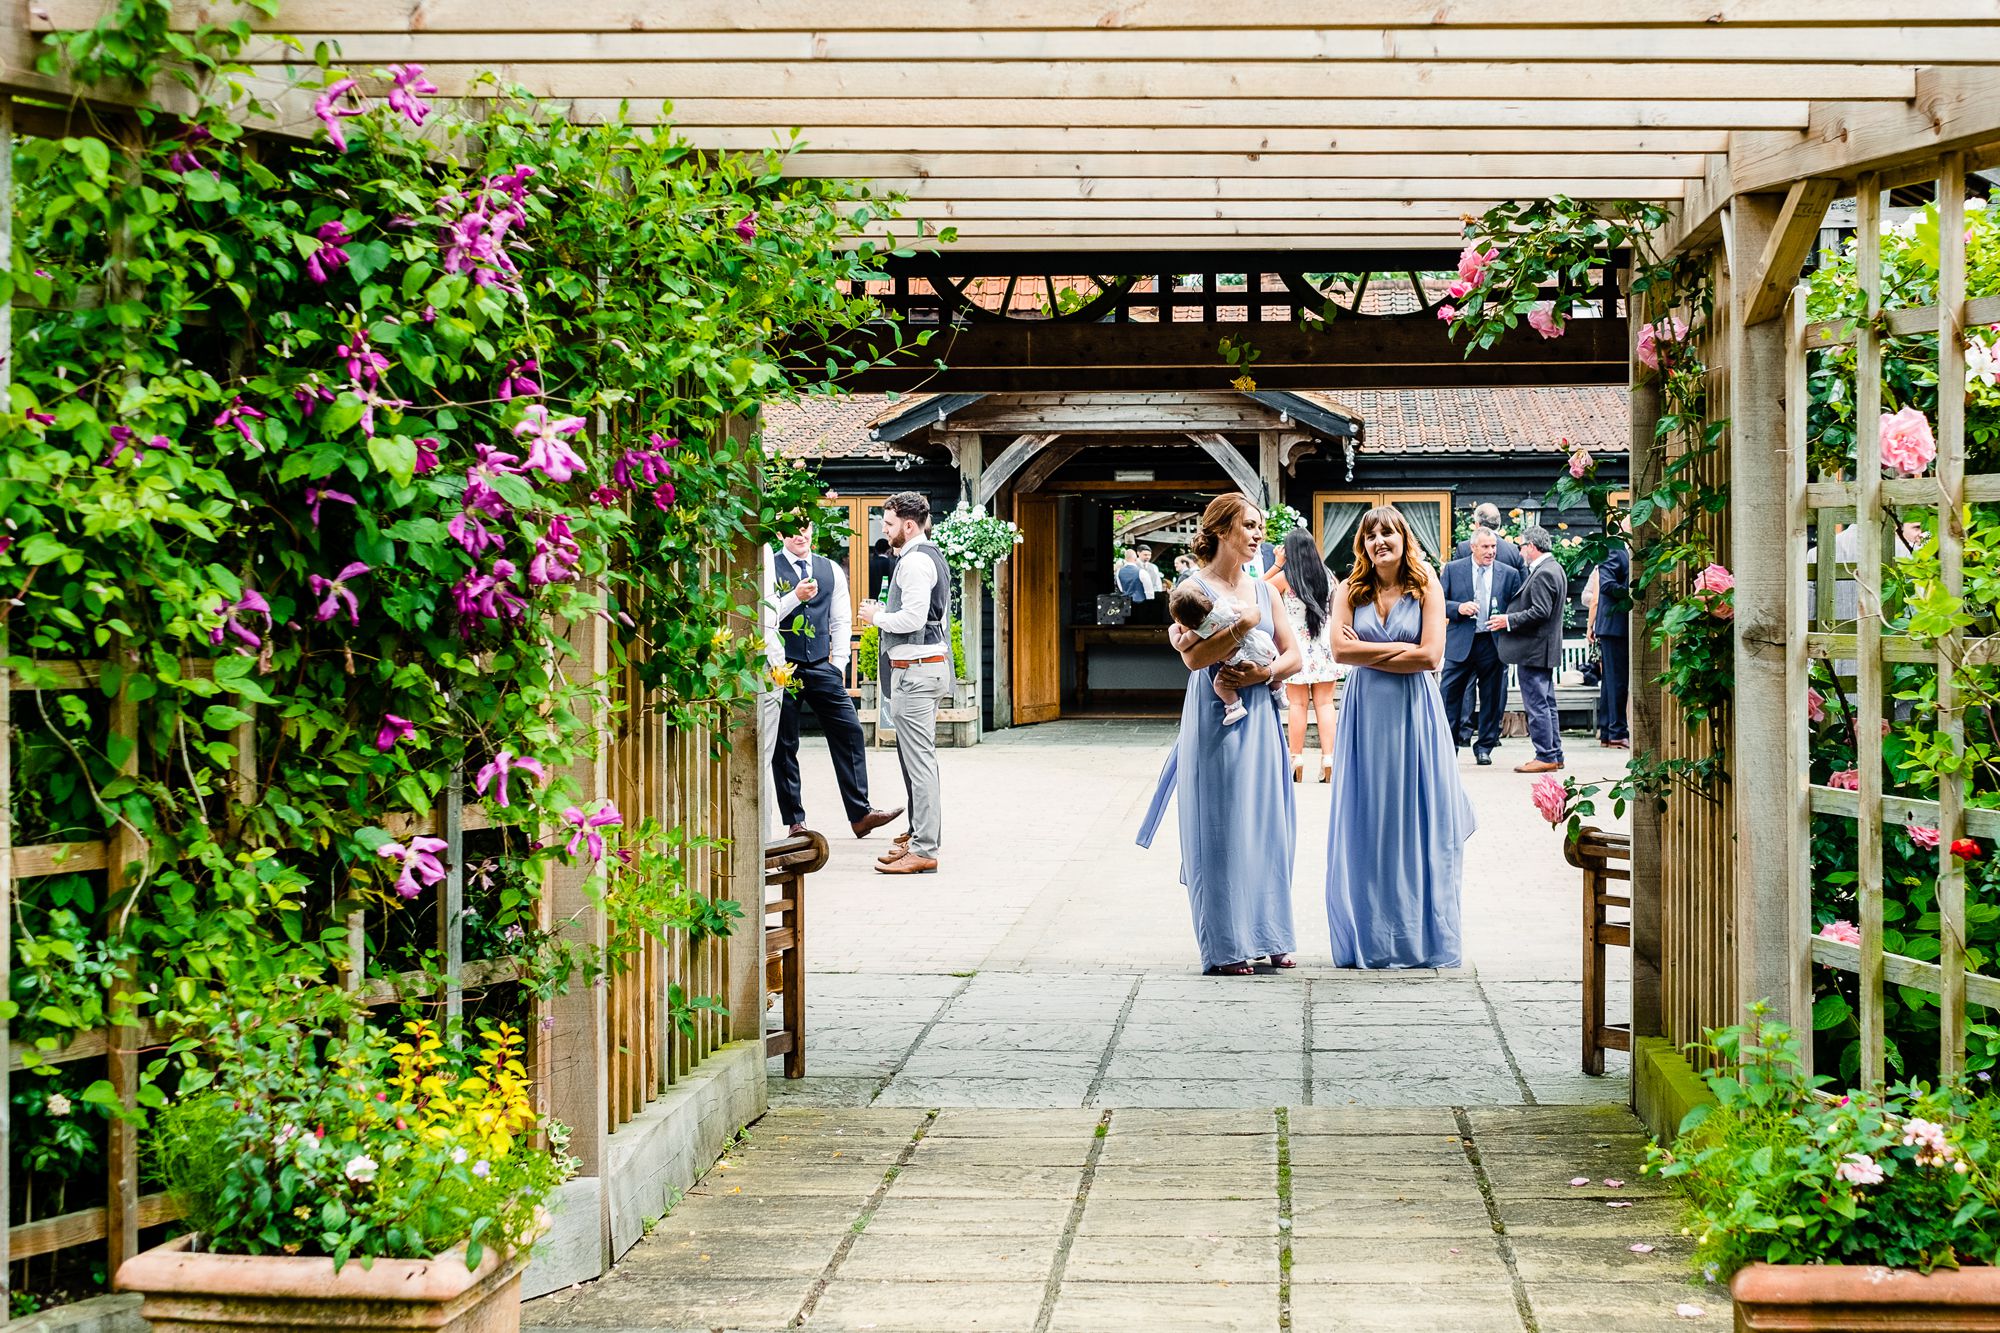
[{"x": 1229, "y": 763}]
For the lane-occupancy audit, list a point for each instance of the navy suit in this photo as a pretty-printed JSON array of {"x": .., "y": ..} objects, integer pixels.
[
  {"x": 1133, "y": 584},
  {"x": 1508, "y": 554},
  {"x": 1471, "y": 656},
  {"x": 1613, "y": 628}
]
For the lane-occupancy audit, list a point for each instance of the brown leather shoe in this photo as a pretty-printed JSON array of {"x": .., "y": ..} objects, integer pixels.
[
  {"x": 909, "y": 863},
  {"x": 1537, "y": 766},
  {"x": 798, "y": 830},
  {"x": 873, "y": 820},
  {"x": 897, "y": 850}
]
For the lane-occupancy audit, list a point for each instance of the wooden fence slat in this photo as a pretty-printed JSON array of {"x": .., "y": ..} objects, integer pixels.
[
  {"x": 1868, "y": 627},
  {"x": 1951, "y": 569},
  {"x": 1901, "y": 970}
]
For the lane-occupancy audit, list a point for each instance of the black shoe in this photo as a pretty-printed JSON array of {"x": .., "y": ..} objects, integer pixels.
[{"x": 1482, "y": 756}]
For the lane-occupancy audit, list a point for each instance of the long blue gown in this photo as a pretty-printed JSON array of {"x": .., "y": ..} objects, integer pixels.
[
  {"x": 1238, "y": 825},
  {"x": 1396, "y": 840}
]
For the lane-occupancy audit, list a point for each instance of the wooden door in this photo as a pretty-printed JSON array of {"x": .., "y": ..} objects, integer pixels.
[{"x": 1037, "y": 633}]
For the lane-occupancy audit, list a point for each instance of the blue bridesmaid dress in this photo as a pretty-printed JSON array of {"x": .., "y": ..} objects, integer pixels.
[
  {"x": 1396, "y": 841},
  {"x": 1238, "y": 824}
]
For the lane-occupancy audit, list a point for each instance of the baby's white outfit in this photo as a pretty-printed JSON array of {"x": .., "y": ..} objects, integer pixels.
[{"x": 1258, "y": 648}]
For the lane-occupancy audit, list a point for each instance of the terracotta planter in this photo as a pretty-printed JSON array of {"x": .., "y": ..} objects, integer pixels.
[
  {"x": 1853, "y": 1299},
  {"x": 186, "y": 1291}
]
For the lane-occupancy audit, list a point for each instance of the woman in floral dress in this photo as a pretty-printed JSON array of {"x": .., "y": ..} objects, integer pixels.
[{"x": 1307, "y": 586}]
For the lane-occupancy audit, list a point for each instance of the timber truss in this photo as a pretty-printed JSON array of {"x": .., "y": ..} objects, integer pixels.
[{"x": 1006, "y": 321}]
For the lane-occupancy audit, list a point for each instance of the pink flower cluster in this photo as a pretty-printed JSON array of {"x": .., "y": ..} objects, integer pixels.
[
  {"x": 1908, "y": 447},
  {"x": 1926, "y": 838},
  {"x": 1815, "y": 705},
  {"x": 488, "y": 596},
  {"x": 232, "y": 626},
  {"x": 1859, "y": 1169},
  {"x": 497, "y": 770},
  {"x": 1714, "y": 586},
  {"x": 1928, "y": 1138},
  {"x": 1580, "y": 463},
  {"x": 1847, "y": 779},
  {"x": 1551, "y": 800},
  {"x": 1668, "y": 332},
  {"x": 586, "y": 835},
  {"x": 419, "y": 861},
  {"x": 329, "y": 258},
  {"x": 651, "y": 467},
  {"x": 557, "y": 555},
  {"x": 1542, "y": 319},
  {"x": 1841, "y": 932},
  {"x": 475, "y": 241}
]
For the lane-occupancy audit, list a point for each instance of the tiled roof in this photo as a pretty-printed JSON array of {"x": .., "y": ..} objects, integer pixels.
[
  {"x": 1488, "y": 421},
  {"x": 1410, "y": 421}
]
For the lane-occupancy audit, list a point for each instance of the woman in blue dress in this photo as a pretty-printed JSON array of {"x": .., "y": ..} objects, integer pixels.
[
  {"x": 1237, "y": 820},
  {"x": 1396, "y": 839}
]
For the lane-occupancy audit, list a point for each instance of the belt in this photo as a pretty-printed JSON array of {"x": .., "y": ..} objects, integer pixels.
[{"x": 897, "y": 664}]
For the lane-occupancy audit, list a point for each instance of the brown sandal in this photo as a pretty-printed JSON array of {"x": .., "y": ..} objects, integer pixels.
[
  {"x": 1283, "y": 960},
  {"x": 1230, "y": 970}
]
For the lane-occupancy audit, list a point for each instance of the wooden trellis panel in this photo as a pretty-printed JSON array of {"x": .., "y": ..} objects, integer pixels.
[{"x": 1872, "y": 503}]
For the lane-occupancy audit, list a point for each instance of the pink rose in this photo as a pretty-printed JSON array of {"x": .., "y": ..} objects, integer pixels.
[
  {"x": 1472, "y": 261},
  {"x": 1447, "y": 312},
  {"x": 1550, "y": 798},
  {"x": 1669, "y": 330},
  {"x": 1459, "y": 290},
  {"x": 1542, "y": 319},
  {"x": 1926, "y": 838},
  {"x": 1714, "y": 585},
  {"x": 1841, "y": 932},
  {"x": 1908, "y": 447},
  {"x": 1815, "y": 705},
  {"x": 1580, "y": 463},
  {"x": 1847, "y": 779}
]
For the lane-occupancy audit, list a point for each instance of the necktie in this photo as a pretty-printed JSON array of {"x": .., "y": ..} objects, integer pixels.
[
  {"x": 805, "y": 571},
  {"x": 1481, "y": 592}
]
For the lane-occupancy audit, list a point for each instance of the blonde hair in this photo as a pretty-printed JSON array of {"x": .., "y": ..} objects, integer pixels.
[
  {"x": 1222, "y": 514},
  {"x": 1361, "y": 582}
]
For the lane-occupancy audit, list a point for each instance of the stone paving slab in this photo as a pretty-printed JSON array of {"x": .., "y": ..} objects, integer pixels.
[
  {"x": 1174, "y": 1259},
  {"x": 1241, "y": 1151},
  {"x": 1150, "y": 1217},
  {"x": 944, "y": 1090},
  {"x": 919, "y": 1307},
  {"x": 1196, "y": 1092},
  {"x": 1121, "y": 1307},
  {"x": 949, "y": 1257},
  {"x": 1472, "y": 1259},
  {"x": 909, "y": 1216},
  {"x": 1010, "y": 1123},
  {"x": 1403, "y": 1308}
]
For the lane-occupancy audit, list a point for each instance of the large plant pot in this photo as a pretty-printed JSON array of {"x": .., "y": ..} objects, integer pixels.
[
  {"x": 1827, "y": 1298},
  {"x": 186, "y": 1291}
]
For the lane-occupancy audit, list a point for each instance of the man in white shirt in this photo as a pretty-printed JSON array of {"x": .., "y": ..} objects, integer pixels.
[
  {"x": 816, "y": 634},
  {"x": 915, "y": 629},
  {"x": 1156, "y": 582},
  {"x": 776, "y": 609}
]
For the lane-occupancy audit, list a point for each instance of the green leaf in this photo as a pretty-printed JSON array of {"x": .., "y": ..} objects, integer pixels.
[{"x": 221, "y": 717}]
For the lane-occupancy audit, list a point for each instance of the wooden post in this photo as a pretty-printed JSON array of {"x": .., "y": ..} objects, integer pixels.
[
  {"x": 6, "y": 735},
  {"x": 971, "y": 466},
  {"x": 1269, "y": 467},
  {"x": 1003, "y": 627},
  {"x": 121, "y": 1155},
  {"x": 1772, "y": 912},
  {"x": 1951, "y": 569},
  {"x": 1868, "y": 631},
  {"x": 577, "y": 1068},
  {"x": 1646, "y": 849}
]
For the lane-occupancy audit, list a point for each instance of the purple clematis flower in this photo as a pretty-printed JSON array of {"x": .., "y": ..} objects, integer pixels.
[
  {"x": 650, "y": 464},
  {"x": 334, "y": 591},
  {"x": 393, "y": 732},
  {"x": 606, "y": 495},
  {"x": 471, "y": 533},
  {"x": 519, "y": 378},
  {"x": 238, "y": 416},
  {"x": 479, "y": 492},
  {"x": 419, "y": 861},
  {"x": 329, "y": 259},
  {"x": 496, "y": 772},
  {"x": 586, "y": 827},
  {"x": 316, "y": 496},
  {"x": 410, "y": 90},
  {"x": 556, "y": 555},
  {"x": 746, "y": 227},
  {"x": 548, "y": 452},
  {"x": 250, "y": 603},
  {"x": 310, "y": 395},
  {"x": 331, "y": 111},
  {"x": 123, "y": 438},
  {"x": 475, "y": 241},
  {"x": 41, "y": 418},
  {"x": 183, "y": 160},
  {"x": 427, "y": 455},
  {"x": 364, "y": 364},
  {"x": 663, "y": 498}
]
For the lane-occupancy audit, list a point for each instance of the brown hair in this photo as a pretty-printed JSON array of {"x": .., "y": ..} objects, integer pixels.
[
  {"x": 1361, "y": 579},
  {"x": 1189, "y": 604},
  {"x": 1222, "y": 514}
]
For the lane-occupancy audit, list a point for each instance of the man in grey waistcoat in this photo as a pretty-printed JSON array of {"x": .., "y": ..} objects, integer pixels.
[
  {"x": 1531, "y": 630},
  {"x": 915, "y": 657}
]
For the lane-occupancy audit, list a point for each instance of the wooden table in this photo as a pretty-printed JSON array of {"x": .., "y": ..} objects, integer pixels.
[{"x": 1085, "y": 637}]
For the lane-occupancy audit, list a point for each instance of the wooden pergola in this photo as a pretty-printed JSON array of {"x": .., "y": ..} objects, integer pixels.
[{"x": 1267, "y": 130}]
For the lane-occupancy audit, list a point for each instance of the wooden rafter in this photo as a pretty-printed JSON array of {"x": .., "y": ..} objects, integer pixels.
[
  {"x": 1011, "y": 460},
  {"x": 1794, "y": 233},
  {"x": 1238, "y": 468}
]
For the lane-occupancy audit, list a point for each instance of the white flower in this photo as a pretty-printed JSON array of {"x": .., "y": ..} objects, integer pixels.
[
  {"x": 458, "y": 1156},
  {"x": 58, "y": 1105},
  {"x": 1982, "y": 364},
  {"x": 362, "y": 1168}
]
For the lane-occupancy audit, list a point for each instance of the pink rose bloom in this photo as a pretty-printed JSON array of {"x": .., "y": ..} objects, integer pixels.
[
  {"x": 1815, "y": 705},
  {"x": 1859, "y": 1169},
  {"x": 1841, "y": 932},
  {"x": 1447, "y": 312},
  {"x": 1926, "y": 838},
  {"x": 1472, "y": 261},
  {"x": 1908, "y": 447},
  {"x": 1847, "y": 779},
  {"x": 1542, "y": 319},
  {"x": 1714, "y": 584},
  {"x": 1459, "y": 290},
  {"x": 1669, "y": 330},
  {"x": 1580, "y": 464},
  {"x": 1550, "y": 798}
]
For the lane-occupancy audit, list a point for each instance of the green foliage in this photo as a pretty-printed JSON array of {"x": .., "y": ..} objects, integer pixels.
[
  {"x": 867, "y": 655},
  {"x": 972, "y": 539},
  {"x": 1777, "y": 1172},
  {"x": 958, "y": 671},
  {"x": 1281, "y": 519}
]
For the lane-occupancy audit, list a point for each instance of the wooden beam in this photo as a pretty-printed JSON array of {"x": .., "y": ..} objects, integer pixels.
[
  {"x": 1240, "y": 469},
  {"x": 1036, "y": 475},
  {"x": 1377, "y": 152},
  {"x": 1011, "y": 460},
  {"x": 937, "y": 170},
  {"x": 1794, "y": 233},
  {"x": 1442, "y": 194},
  {"x": 1950, "y": 109}
]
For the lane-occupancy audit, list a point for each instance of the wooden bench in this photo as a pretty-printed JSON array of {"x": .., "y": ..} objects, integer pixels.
[
  {"x": 1605, "y": 859},
  {"x": 786, "y": 865}
]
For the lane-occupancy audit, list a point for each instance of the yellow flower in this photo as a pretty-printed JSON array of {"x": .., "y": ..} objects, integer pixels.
[
  {"x": 1513, "y": 513},
  {"x": 784, "y": 675},
  {"x": 1243, "y": 382}
]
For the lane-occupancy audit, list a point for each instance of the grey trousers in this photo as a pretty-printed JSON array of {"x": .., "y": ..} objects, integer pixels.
[
  {"x": 769, "y": 704},
  {"x": 913, "y": 709}
]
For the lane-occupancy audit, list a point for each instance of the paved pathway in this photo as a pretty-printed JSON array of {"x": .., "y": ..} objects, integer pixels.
[{"x": 1025, "y": 1111}]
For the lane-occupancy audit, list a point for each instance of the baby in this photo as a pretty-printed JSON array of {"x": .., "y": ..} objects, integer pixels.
[{"x": 1205, "y": 617}]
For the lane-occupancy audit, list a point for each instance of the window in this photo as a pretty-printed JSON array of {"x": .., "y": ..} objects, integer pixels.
[
  {"x": 1337, "y": 514},
  {"x": 865, "y": 565}
]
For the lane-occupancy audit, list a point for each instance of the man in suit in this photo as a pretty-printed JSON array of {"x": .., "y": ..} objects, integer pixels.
[
  {"x": 1474, "y": 587},
  {"x": 815, "y": 635},
  {"x": 915, "y": 627},
  {"x": 1131, "y": 581},
  {"x": 1531, "y": 630},
  {"x": 1487, "y": 516},
  {"x": 1610, "y": 628}
]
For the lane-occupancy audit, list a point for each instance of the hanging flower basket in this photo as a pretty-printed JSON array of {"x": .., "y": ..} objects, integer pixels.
[{"x": 185, "y": 1289}]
